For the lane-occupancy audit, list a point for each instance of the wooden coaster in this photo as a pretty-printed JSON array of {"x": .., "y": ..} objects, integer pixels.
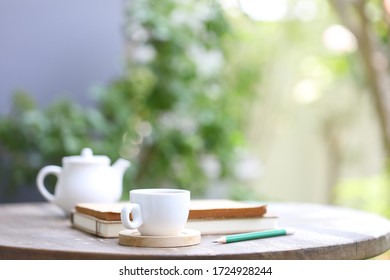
[{"x": 187, "y": 237}]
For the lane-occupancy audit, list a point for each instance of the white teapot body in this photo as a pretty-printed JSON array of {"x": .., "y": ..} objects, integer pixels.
[{"x": 84, "y": 178}]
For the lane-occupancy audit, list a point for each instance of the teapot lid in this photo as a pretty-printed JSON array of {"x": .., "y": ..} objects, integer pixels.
[{"x": 86, "y": 157}]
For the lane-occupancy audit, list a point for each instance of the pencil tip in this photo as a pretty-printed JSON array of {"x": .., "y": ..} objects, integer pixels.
[{"x": 219, "y": 240}]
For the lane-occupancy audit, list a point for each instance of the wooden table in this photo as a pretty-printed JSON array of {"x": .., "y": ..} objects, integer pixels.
[{"x": 39, "y": 231}]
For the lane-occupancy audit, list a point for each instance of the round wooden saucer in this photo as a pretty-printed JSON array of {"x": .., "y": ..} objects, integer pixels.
[{"x": 187, "y": 237}]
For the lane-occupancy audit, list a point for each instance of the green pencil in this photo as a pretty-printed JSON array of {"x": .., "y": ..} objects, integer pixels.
[{"x": 254, "y": 235}]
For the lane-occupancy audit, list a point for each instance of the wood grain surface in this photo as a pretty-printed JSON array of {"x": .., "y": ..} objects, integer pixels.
[{"x": 39, "y": 231}]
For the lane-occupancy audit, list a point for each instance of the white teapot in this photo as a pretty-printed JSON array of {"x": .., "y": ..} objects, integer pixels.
[{"x": 85, "y": 178}]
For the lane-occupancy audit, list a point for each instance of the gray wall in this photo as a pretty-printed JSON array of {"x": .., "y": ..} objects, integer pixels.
[{"x": 58, "y": 48}]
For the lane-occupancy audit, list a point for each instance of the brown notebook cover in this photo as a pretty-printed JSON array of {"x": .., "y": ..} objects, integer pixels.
[
  {"x": 223, "y": 209},
  {"x": 199, "y": 209}
]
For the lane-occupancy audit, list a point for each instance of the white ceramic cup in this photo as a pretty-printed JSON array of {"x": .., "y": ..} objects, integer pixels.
[{"x": 162, "y": 212}]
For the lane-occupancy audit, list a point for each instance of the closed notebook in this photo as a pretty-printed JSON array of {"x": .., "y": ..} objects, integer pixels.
[
  {"x": 233, "y": 225},
  {"x": 96, "y": 226},
  {"x": 106, "y": 228},
  {"x": 199, "y": 209},
  {"x": 207, "y": 216}
]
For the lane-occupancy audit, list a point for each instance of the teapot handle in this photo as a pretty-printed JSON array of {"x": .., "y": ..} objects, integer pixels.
[{"x": 51, "y": 169}]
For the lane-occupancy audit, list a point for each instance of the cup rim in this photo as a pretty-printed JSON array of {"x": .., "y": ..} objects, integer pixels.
[{"x": 158, "y": 191}]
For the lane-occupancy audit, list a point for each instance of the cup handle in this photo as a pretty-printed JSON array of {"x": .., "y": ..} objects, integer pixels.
[
  {"x": 135, "y": 211},
  {"x": 51, "y": 169}
]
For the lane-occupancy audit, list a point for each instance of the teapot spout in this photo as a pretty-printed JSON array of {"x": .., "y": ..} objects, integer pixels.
[{"x": 121, "y": 166}]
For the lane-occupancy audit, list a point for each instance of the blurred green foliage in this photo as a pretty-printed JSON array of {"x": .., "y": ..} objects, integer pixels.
[
  {"x": 199, "y": 79},
  {"x": 367, "y": 193},
  {"x": 176, "y": 105},
  {"x": 31, "y": 138}
]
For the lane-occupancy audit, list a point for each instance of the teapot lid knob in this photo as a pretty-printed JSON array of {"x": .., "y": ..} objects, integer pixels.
[
  {"x": 87, "y": 157},
  {"x": 86, "y": 152}
]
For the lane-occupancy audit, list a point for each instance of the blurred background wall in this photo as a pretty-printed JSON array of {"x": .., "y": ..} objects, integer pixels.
[{"x": 57, "y": 48}]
